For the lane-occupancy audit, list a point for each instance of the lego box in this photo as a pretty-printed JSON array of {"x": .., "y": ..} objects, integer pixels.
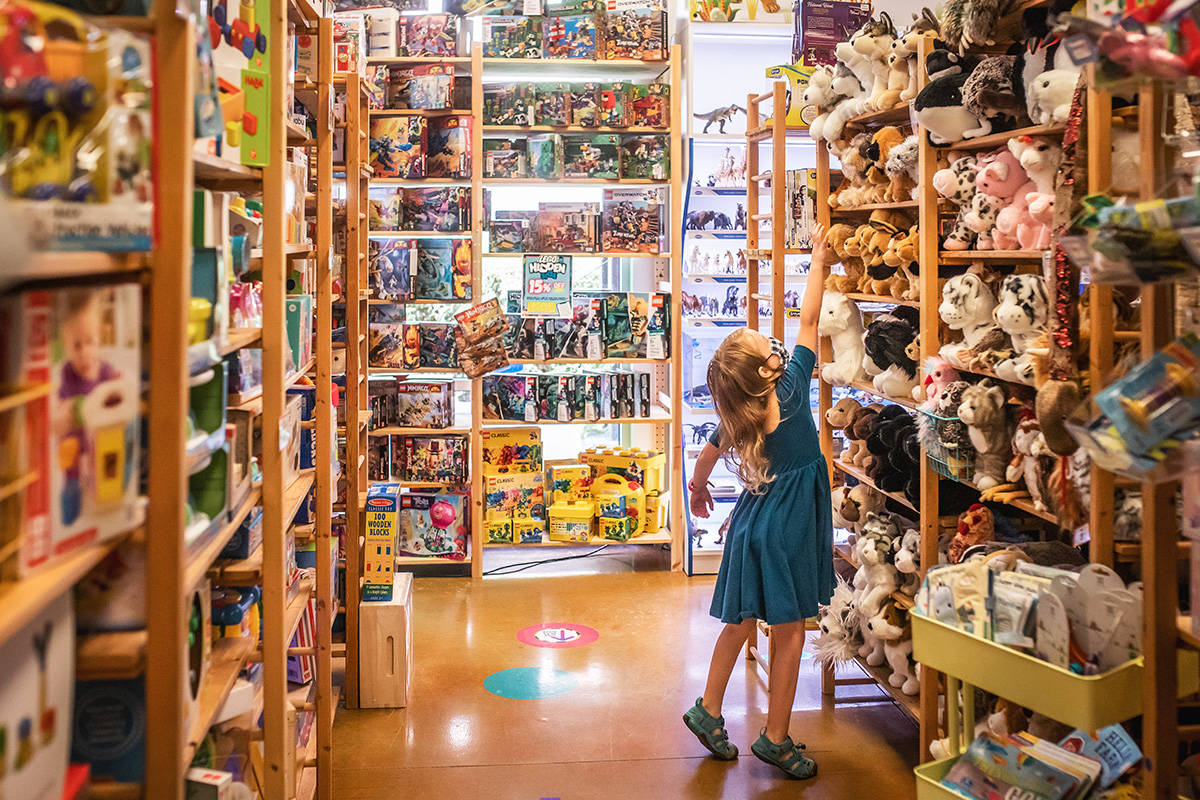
[
  {"x": 425, "y": 404},
  {"x": 433, "y": 524},
  {"x": 379, "y": 550},
  {"x": 512, "y": 450},
  {"x": 571, "y": 521},
  {"x": 528, "y": 530},
  {"x": 499, "y": 530},
  {"x": 521, "y": 494},
  {"x": 570, "y": 482}
]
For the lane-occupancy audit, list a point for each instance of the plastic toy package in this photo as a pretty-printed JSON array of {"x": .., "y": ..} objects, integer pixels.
[
  {"x": 505, "y": 158},
  {"x": 398, "y": 146},
  {"x": 646, "y": 157},
  {"x": 512, "y": 37},
  {"x": 77, "y": 157},
  {"x": 429, "y": 35},
  {"x": 635, "y": 29},
  {"x": 1147, "y": 242},
  {"x": 430, "y": 459}
]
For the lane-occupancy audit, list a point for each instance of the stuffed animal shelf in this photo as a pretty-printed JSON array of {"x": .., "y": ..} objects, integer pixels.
[
  {"x": 967, "y": 305},
  {"x": 841, "y": 321},
  {"x": 893, "y": 372}
]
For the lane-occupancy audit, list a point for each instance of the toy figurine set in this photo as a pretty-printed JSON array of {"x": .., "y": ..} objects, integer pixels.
[
  {"x": 631, "y": 29},
  {"x": 396, "y": 402},
  {"x": 512, "y": 37},
  {"x": 434, "y": 524},
  {"x": 635, "y": 29},
  {"x": 430, "y": 459},
  {"x": 633, "y": 220},
  {"x": 629, "y": 220},
  {"x": 420, "y": 86},
  {"x": 437, "y": 209},
  {"x": 423, "y": 269},
  {"x": 593, "y": 395},
  {"x": 419, "y": 147},
  {"x": 428, "y": 35},
  {"x": 514, "y": 490},
  {"x": 389, "y": 270},
  {"x": 395, "y": 345},
  {"x": 601, "y": 325},
  {"x": 588, "y": 105}
]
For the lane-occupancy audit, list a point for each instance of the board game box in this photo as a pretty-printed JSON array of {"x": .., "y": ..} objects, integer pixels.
[
  {"x": 398, "y": 147},
  {"x": 512, "y": 37},
  {"x": 631, "y": 220},
  {"x": 445, "y": 209},
  {"x": 645, "y": 157},
  {"x": 635, "y": 29},
  {"x": 505, "y": 158},
  {"x": 428, "y": 35},
  {"x": 448, "y": 153},
  {"x": 552, "y": 103},
  {"x": 508, "y": 103},
  {"x": 591, "y": 156}
]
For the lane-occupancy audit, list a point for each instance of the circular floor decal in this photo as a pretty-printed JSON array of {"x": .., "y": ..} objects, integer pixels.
[
  {"x": 557, "y": 634},
  {"x": 529, "y": 683}
]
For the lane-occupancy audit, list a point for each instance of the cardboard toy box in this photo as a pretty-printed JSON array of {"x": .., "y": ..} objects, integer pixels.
[
  {"x": 528, "y": 530},
  {"x": 433, "y": 524},
  {"x": 83, "y": 438},
  {"x": 379, "y": 550},
  {"x": 521, "y": 494},
  {"x": 572, "y": 521},
  {"x": 425, "y": 404},
  {"x": 569, "y": 482},
  {"x": 512, "y": 450}
]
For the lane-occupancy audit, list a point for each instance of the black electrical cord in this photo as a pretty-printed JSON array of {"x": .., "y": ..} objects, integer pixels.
[{"x": 521, "y": 566}]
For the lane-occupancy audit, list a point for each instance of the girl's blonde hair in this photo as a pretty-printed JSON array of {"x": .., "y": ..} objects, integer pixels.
[{"x": 741, "y": 394}]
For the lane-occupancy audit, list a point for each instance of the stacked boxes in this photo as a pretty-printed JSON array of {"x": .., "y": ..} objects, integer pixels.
[
  {"x": 514, "y": 489},
  {"x": 643, "y": 469}
]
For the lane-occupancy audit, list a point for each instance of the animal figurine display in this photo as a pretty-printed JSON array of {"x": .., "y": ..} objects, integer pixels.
[
  {"x": 982, "y": 410},
  {"x": 719, "y": 116},
  {"x": 841, "y": 321}
]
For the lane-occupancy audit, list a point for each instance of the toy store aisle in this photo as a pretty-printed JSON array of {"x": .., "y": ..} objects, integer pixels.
[{"x": 612, "y": 728}]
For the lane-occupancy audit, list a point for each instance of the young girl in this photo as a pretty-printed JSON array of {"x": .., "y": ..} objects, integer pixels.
[{"x": 778, "y": 561}]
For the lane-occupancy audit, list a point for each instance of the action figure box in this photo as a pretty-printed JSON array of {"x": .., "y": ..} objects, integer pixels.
[
  {"x": 383, "y": 209},
  {"x": 505, "y": 396},
  {"x": 570, "y": 36},
  {"x": 390, "y": 343},
  {"x": 428, "y": 35},
  {"x": 433, "y": 524},
  {"x": 510, "y": 450},
  {"x": 398, "y": 147},
  {"x": 592, "y": 156},
  {"x": 618, "y": 335},
  {"x": 512, "y": 233},
  {"x": 443, "y": 269},
  {"x": 585, "y": 100},
  {"x": 444, "y": 209},
  {"x": 449, "y": 147},
  {"x": 379, "y": 547},
  {"x": 545, "y": 155},
  {"x": 512, "y": 37},
  {"x": 349, "y": 41},
  {"x": 389, "y": 268},
  {"x": 421, "y": 86},
  {"x": 379, "y": 459},
  {"x": 615, "y": 105},
  {"x": 646, "y": 157},
  {"x": 635, "y": 29},
  {"x": 81, "y": 440},
  {"x": 438, "y": 348},
  {"x": 658, "y": 327},
  {"x": 552, "y": 399},
  {"x": 381, "y": 399},
  {"x": 508, "y": 103},
  {"x": 632, "y": 220},
  {"x": 567, "y": 227},
  {"x": 520, "y": 494},
  {"x": 552, "y": 104},
  {"x": 424, "y": 404},
  {"x": 505, "y": 158},
  {"x": 431, "y": 459},
  {"x": 526, "y": 342},
  {"x": 650, "y": 105}
]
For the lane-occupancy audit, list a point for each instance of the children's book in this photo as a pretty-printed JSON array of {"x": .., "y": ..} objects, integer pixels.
[{"x": 991, "y": 768}]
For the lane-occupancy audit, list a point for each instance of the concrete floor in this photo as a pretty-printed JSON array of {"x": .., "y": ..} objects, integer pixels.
[{"x": 618, "y": 734}]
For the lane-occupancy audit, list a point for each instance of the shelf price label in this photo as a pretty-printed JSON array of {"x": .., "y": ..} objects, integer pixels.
[{"x": 547, "y": 286}]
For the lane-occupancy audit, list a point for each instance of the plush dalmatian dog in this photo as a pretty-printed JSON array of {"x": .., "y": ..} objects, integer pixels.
[
  {"x": 956, "y": 183},
  {"x": 1022, "y": 312},
  {"x": 982, "y": 219}
]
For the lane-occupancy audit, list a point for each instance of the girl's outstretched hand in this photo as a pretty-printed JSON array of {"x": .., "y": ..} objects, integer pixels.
[
  {"x": 820, "y": 251},
  {"x": 700, "y": 500}
]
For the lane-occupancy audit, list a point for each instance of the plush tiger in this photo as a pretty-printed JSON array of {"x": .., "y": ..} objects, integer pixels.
[
  {"x": 967, "y": 305},
  {"x": 1022, "y": 312}
]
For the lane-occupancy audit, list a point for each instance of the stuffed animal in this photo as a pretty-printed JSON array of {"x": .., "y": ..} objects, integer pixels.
[
  {"x": 1055, "y": 401},
  {"x": 858, "y": 502},
  {"x": 883, "y": 279},
  {"x": 820, "y": 96},
  {"x": 841, "y": 321},
  {"x": 1032, "y": 462},
  {"x": 835, "y": 239},
  {"x": 981, "y": 218},
  {"x": 956, "y": 183},
  {"x": 893, "y": 466},
  {"x": 906, "y": 45},
  {"x": 901, "y": 169},
  {"x": 1005, "y": 179},
  {"x": 950, "y": 433},
  {"x": 853, "y": 190},
  {"x": 901, "y": 255},
  {"x": 858, "y": 246},
  {"x": 908, "y": 553},
  {"x": 892, "y": 372},
  {"x": 989, "y": 97},
  {"x": 892, "y": 626},
  {"x": 966, "y": 306},
  {"x": 940, "y": 109},
  {"x": 838, "y": 621},
  {"x": 836, "y": 497},
  {"x": 874, "y": 43},
  {"x": 1040, "y": 158},
  {"x": 1048, "y": 98},
  {"x": 907, "y": 459},
  {"x": 860, "y": 66},
  {"x": 1127, "y": 515},
  {"x": 857, "y": 454},
  {"x": 1021, "y": 312},
  {"x": 975, "y": 526},
  {"x": 971, "y": 23},
  {"x": 982, "y": 409},
  {"x": 886, "y": 140},
  {"x": 879, "y": 531},
  {"x": 938, "y": 375}
]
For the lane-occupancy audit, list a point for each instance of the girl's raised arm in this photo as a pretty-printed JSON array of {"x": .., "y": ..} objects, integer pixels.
[{"x": 810, "y": 306}]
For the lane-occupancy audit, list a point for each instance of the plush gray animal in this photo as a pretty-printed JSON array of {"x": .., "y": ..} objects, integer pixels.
[{"x": 902, "y": 161}]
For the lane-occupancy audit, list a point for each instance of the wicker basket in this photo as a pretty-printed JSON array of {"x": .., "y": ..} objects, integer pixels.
[{"x": 956, "y": 463}]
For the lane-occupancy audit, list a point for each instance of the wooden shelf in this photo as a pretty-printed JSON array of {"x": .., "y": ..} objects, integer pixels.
[
  {"x": 869, "y": 388},
  {"x": 17, "y": 485},
  {"x": 85, "y": 264},
  {"x": 198, "y": 564},
  {"x": 250, "y": 401},
  {"x": 1001, "y": 138},
  {"x": 857, "y": 473},
  {"x": 294, "y": 495},
  {"x": 293, "y": 378},
  {"x": 296, "y": 135},
  {"x": 419, "y": 182},
  {"x": 213, "y": 171},
  {"x": 295, "y": 608},
  {"x": 657, "y": 538},
  {"x": 418, "y": 234},
  {"x": 960, "y": 256},
  {"x": 237, "y": 338},
  {"x": 575, "y": 181},
  {"x": 551, "y": 65},
  {"x": 860, "y": 297},
  {"x": 458, "y": 301},
  {"x": 399, "y": 431},
  {"x": 658, "y": 416},
  {"x": 869, "y": 207},
  {"x": 420, "y": 112},
  {"x": 22, "y": 396},
  {"x": 888, "y": 116},
  {"x": 553, "y": 361},
  {"x": 419, "y": 60},
  {"x": 1022, "y": 504},
  {"x": 569, "y": 129},
  {"x": 303, "y": 13},
  {"x": 114, "y": 656},
  {"x": 375, "y": 369},
  {"x": 1131, "y": 552},
  {"x": 111, "y": 790},
  {"x": 910, "y": 705},
  {"x": 228, "y": 658},
  {"x": 417, "y": 561},
  {"x": 604, "y": 254},
  {"x": 22, "y": 600},
  {"x": 290, "y": 249},
  {"x": 1183, "y": 624}
]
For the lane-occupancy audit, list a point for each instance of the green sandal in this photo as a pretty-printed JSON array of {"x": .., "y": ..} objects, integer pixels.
[
  {"x": 710, "y": 731},
  {"x": 786, "y": 756}
]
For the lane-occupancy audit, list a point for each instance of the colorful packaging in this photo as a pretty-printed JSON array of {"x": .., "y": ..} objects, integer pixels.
[
  {"x": 505, "y": 158},
  {"x": 615, "y": 528},
  {"x": 512, "y": 450},
  {"x": 508, "y": 103},
  {"x": 656, "y": 514},
  {"x": 398, "y": 146},
  {"x": 645, "y": 157},
  {"x": 585, "y": 111},
  {"x": 615, "y": 105},
  {"x": 567, "y": 227},
  {"x": 570, "y": 482},
  {"x": 500, "y": 530},
  {"x": 431, "y": 459},
  {"x": 512, "y": 37},
  {"x": 545, "y": 155},
  {"x": 573, "y": 36},
  {"x": 552, "y": 104},
  {"x": 433, "y": 524},
  {"x": 506, "y": 396},
  {"x": 445, "y": 209},
  {"x": 592, "y": 156},
  {"x": 429, "y": 35},
  {"x": 611, "y": 490},
  {"x": 425, "y": 404},
  {"x": 632, "y": 220},
  {"x": 571, "y": 521},
  {"x": 383, "y": 209},
  {"x": 528, "y": 530},
  {"x": 438, "y": 346},
  {"x": 390, "y": 343},
  {"x": 650, "y": 105},
  {"x": 379, "y": 548},
  {"x": 449, "y": 147},
  {"x": 521, "y": 494},
  {"x": 635, "y": 29},
  {"x": 389, "y": 270}
]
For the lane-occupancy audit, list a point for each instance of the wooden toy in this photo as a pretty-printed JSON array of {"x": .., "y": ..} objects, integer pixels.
[
  {"x": 379, "y": 549},
  {"x": 571, "y": 521}
]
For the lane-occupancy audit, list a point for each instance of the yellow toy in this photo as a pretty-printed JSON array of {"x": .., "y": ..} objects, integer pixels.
[
  {"x": 527, "y": 530},
  {"x": 616, "y": 529},
  {"x": 500, "y": 530},
  {"x": 619, "y": 497},
  {"x": 570, "y": 482},
  {"x": 656, "y": 514},
  {"x": 379, "y": 550},
  {"x": 647, "y": 467},
  {"x": 571, "y": 521},
  {"x": 512, "y": 450}
]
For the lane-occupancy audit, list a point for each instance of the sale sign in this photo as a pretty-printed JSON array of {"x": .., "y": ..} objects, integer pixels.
[{"x": 547, "y": 286}]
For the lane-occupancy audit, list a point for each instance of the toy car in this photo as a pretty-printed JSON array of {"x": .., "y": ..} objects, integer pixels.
[{"x": 41, "y": 72}]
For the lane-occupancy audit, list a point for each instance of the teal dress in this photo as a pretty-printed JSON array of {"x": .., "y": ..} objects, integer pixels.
[{"x": 778, "y": 560}]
